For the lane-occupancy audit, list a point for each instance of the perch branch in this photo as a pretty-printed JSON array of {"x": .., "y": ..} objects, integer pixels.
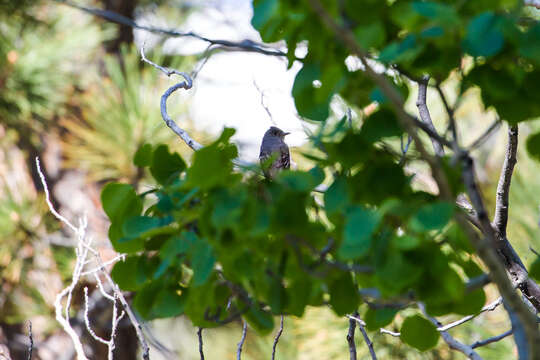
[{"x": 482, "y": 138}]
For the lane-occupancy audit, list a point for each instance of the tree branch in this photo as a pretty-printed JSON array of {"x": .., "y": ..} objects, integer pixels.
[
  {"x": 199, "y": 335},
  {"x": 492, "y": 339},
  {"x": 489, "y": 307},
  {"x": 244, "y": 45},
  {"x": 423, "y": 111},
  {"x": 453, "y": 343},
  {"x": 241, "y": 343},
  {"x": 500, "y": 219},
  {"x": 350, "y": 338},
  {"x": 276, "y": 339}
]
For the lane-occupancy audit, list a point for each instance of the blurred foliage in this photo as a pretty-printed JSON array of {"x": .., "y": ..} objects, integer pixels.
[{"x": 120, "y": 112}]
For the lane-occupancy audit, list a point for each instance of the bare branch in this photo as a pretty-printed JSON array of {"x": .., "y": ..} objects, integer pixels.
[
  {"x": 187, "y": 84},
  {"x": 368, "y": 342},
  {"x": 265, "y": 107},
  {"x": 450, "y": 113},
  {"x": 500, "y": 219},
  {"x": 388, "y": 332},
  {"x": 489, "y": 307},
  {"x": 492, "y": 339},
  {"x": 423, "y": 111},
  {"x": 276, "y": 339},
  {"x": 31, "y": 338},
  {"x": 199, "y": 334},
  {"x": 490, "y": 130},
  {"x": 453, "y": 343},
  {"x": 350, "y": 338},
  {"x": 241, "y": 343},
  {"x": 244, "y": 45}
]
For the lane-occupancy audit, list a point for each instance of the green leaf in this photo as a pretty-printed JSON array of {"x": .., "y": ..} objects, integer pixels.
[
  {"x": 534, "y": 270},
  {"x": 124, "y": 273},
  {"x": 471, "y": 303},
  {"x": 432, "y": 216},
  {"x": 212, "y": 165},
  {"x": 359, "y": 227},
  {"x": 202, "y": 262},
  {"x": 444, "y": 14},
  {"x": 168, "y": 303},
  {"x": 301, "y": 180},
  {"x": 145, "y": 226},
  {"x": 120, "y": 201},
  {"x": 378, "y": 318},
  {"x": 484, "y": 37},
  {"x": 370, "y": 36},
  {"x": 344, "y": 296},
  {"x": 419, "y": 333},
  {"x": 277, "y": 296},
  {"x": 336, "y": 197},
  {"x": 165, "y": 164},
  {"x": 533, "y": 146},
  {"x": 381, "y": 124},
  {"x": 406, "y": 242},
  {"x": 263, "y": 11},
  {"x": 143, "y": 156},
  {"x": 260, "y": 320},
  {"x": 397, "y": 273}
]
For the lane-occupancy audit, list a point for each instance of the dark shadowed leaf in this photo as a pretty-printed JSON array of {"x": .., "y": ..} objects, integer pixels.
[{"x": 419, "y": 333}]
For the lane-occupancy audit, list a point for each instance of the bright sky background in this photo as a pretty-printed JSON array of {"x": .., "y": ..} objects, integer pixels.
[{"x": 224, "y": 92}]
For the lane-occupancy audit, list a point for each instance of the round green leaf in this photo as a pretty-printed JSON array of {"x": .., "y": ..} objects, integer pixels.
[
  {"x": 432, "y": 216},
  {"x": 533, "y": 146},
  {"x": 483, "y": 36},
  {"x": 359, "y": 228},
  {"x": 143, "y": 156},
  {"x": 419, "y": 333},
  {"x": 165, "y": 164},
  {"x": 120, "y": 201}
]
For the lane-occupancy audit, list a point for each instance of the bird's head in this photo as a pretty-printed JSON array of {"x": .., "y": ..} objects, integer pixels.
[{"x": 274, "y": 131}]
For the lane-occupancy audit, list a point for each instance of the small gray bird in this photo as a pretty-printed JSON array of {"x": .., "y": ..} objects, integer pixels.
[{"x": 273, "y": 146}]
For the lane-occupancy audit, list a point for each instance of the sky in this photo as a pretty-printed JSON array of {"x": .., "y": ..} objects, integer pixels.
[{"x": 225, "y": 91}]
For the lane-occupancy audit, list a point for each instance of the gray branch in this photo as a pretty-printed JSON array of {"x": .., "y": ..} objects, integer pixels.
[
  {"x": 276, "y": 339},
  {"x": 241, "y": 343},
  {"x": 500, "y": 219},
  {"x": 244, "y": 45},
  {"x": 453, "y": 343},
  {"x": 425, "y": 117}
]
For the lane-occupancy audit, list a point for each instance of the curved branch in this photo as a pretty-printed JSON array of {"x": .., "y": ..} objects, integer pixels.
[{"x": 186, "y": 84}]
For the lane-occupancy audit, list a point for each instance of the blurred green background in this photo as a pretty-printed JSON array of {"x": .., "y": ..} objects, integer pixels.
[{"x": 74, "y": 92}]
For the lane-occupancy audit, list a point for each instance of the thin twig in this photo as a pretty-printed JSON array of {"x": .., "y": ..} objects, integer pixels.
[
  {"x": 489, "y": 307},
  {"x": 276, "y": 339},
  {"x": 369, "y": 343},
  {"x": 450, "y": 113},
  {"x": 492, "y": 339},
  {"x": 388, "y": 332},
  {"x": 423, "y": 111},
  {"x": 482, "y": 138},
  {"x": 265, "y": 107},
  {"x": 199, "y": 334},
  {"x": 31, "y": 338},
  {"x": 241, "y": 343},
  {"x": 350, "y": 337}
]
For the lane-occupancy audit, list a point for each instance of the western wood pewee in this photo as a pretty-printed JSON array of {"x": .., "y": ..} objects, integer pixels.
[{"x": 273, "y": 147}]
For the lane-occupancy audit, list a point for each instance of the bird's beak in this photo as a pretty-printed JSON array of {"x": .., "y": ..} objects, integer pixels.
[{"x": 287, "y": 133}]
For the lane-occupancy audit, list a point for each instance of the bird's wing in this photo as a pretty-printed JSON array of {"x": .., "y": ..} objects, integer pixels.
[{"x": 285, "y": 157}]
